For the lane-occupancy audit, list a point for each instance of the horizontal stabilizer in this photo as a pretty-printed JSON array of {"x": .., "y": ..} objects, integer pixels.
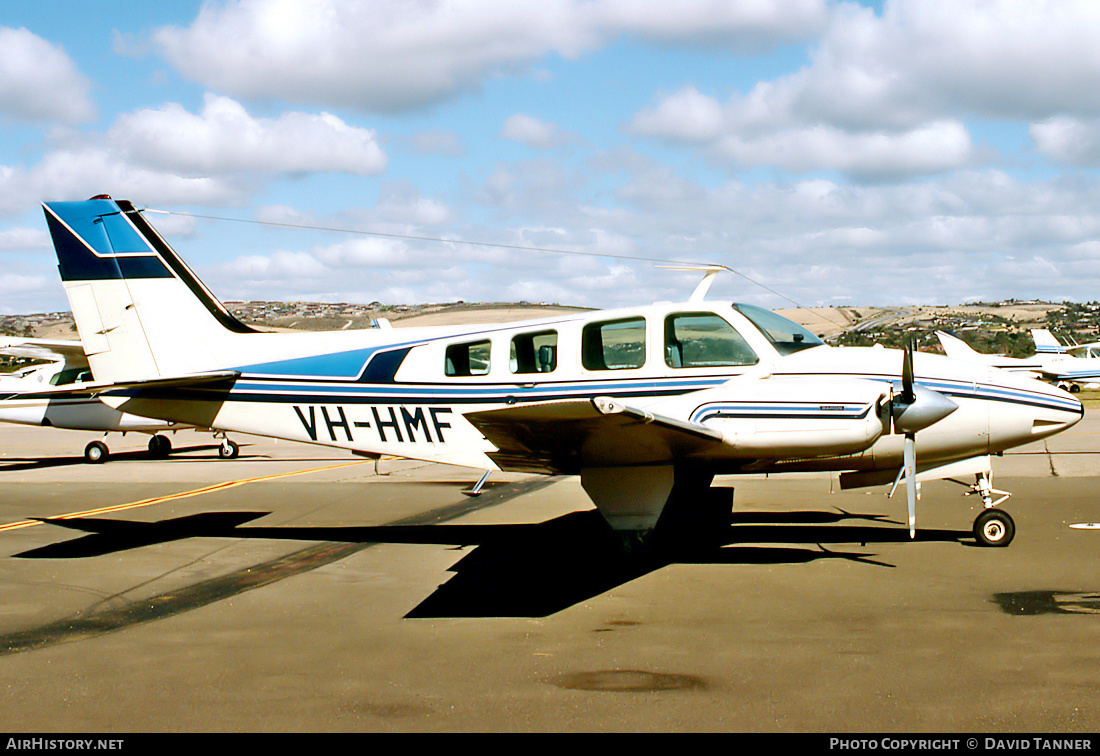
[
  {"x": 564, "y": 437},
  {"x": 100, "y": 389}
]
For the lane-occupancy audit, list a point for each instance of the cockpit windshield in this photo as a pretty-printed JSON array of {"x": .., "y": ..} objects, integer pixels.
[{"x": 786, "y": 335}]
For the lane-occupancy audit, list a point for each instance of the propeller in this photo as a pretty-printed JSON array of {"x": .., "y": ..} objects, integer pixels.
[{"x": 914, "y": 408}]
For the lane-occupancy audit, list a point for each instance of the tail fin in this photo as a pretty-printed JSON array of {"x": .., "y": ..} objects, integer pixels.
[
  {"x": 957, "y": 349},
  {"x": 141, "y": 312},
  {"x": 1045, "y": 343}
]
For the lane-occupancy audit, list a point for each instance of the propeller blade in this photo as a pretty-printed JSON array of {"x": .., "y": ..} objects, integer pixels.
[
  {"x": 907, "y": 381},
  {"x": 911, "y": 484}
]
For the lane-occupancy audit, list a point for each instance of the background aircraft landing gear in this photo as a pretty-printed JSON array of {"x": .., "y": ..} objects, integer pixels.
[
  {"x": 228, "y": 449},
  {"x": 994, "y": 527},
  {"x": 159, "y": 447},
  {"x": 96, "y": 453}
]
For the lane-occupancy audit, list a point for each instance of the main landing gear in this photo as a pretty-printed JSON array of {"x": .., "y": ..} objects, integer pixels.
[
  {"x": 97, "y": 452},
  {"x": 993, "y": 527}
]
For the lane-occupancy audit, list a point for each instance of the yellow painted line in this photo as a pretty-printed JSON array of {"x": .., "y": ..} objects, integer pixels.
[{"x": 181, "y": 495}]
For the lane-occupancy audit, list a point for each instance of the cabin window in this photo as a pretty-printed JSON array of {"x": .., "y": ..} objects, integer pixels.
[
  {"x": 534, "y": 352},
  {"x": 613, "y": 345},
  {"x": 702, "y": 339},
  {"x": 786, "y": 335},
  {"x": 72, "y": 375},
  {"x": 467, "y": 359}
]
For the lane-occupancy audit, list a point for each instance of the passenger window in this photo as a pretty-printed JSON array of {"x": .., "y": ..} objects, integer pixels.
[
  {"x": 613, "y": 345},
  {"x": 72, "y": 375},
  {"x": 467, "y": 359},
  {"x": 534, "y": 352},
  {"x": 702, "y": 339}
]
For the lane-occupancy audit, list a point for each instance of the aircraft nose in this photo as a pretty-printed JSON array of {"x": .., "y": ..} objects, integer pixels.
[
  {"x": 1027, "y": 410},
  {"x": 1063, "y": 411}
]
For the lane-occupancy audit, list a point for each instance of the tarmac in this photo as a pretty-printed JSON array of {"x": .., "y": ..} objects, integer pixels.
[{"x": 302, "y": 589}]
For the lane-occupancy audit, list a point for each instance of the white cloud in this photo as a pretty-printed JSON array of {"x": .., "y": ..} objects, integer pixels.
[
  {"x": 891, "y": 90},
  {"x": 22, "y": 239},
  {"x": 225, "y": 138},
  {"x": 934, "y": 148},
  {"x": 736, "y": 134},
  {"x": 11, "y": 283},
  {"x": 391, "y": 55},
  {"x": 39, "y": 82},
  {"x": 750, "y": 26},
  {"x": 1074, "y": 141},
  {"x": 534, "y": 133},
  {"x": 445, "y": 143},
  {"x": 75, "y": 174},
  {"x": 920, "y": 59}
]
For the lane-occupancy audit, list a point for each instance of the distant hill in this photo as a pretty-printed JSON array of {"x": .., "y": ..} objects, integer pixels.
[{"x": 995, "y": 326}]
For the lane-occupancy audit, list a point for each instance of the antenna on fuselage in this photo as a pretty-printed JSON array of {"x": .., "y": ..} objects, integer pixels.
[{"x": 709, "y": 273}]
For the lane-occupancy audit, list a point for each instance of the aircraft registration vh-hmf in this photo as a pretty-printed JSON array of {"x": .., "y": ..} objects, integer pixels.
[{"x": 646, "y": 404}]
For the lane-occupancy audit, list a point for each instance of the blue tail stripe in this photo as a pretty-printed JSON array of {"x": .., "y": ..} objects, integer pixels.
[{"x": 94, "y": 242}]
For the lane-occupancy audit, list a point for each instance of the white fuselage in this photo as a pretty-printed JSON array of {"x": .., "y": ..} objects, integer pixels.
[{"x": 398, "y": 391}]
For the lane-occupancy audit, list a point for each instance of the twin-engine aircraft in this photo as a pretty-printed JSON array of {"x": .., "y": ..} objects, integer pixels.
[
  {"x": 1068, "y": 367},
  {"x": 52, "y": 395},
  {"x": 645, "y": 404}
]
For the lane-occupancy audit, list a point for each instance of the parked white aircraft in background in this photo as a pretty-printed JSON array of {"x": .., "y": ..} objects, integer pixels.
[
  {"x": 646, "y": 404},
  {"x": 1051, "y": 362},
  {"x": 37, "y": 395},
  {"x": 1076, "y": 365}
]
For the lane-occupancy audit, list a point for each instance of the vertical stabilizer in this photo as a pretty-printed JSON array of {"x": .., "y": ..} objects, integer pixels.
[
  {"x": 141, "y": 312},
  {"x": 1045, "y": 343}
]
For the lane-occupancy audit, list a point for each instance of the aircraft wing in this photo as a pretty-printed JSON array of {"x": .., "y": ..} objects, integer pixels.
[
  {"x": 52, "y": 350},
  {"x": 564, "y": 437}
]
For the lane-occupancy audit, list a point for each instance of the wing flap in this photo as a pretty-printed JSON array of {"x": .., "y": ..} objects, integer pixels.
[{"x": 565, "y": 437}]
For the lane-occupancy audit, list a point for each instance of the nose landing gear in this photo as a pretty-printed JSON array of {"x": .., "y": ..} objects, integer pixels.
[{"x": 993, "y": 527}]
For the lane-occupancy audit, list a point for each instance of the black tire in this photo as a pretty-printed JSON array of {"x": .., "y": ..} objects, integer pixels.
[
  {"x": 160, "y": 447},
  {"x": 229, "y": 450},
  {"x": 994, "y": 527},
  {"x": 96, "y": 453}
]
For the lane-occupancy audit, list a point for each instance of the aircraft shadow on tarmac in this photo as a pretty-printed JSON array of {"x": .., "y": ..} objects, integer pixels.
[
  {"x": 16, "y": 464},
  {"x": 524, "y": 570}
]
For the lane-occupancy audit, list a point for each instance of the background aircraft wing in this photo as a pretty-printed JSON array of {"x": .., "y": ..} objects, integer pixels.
[
  {"x": 69, "y": 351},
  {"x": 564, "y": 437}
]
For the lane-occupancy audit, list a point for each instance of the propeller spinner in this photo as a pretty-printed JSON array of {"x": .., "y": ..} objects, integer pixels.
[{"x": 914, "y": 408}]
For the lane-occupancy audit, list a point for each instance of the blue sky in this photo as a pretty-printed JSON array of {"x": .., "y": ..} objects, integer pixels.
[{"x": 842, "y": 153}]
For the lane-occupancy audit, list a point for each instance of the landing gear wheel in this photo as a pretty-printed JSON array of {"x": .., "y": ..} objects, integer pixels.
[
  {"x": 96, "y": 453},
  {"x": 159, "y": 447},
  {"x": 994, "y": 527},
  {"x": 228, "y": 450}
]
